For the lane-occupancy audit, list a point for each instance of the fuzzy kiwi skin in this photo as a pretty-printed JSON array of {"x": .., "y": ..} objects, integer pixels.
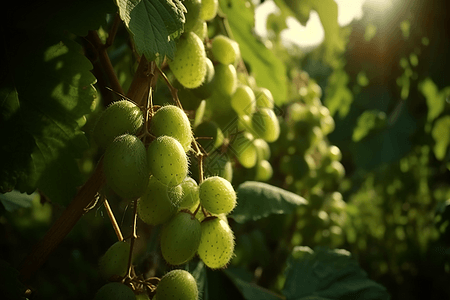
[{"x": 189, "y": 62}]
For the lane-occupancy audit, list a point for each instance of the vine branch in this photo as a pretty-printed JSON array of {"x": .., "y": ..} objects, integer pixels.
[
  {"x": 63, "y": 225},
  {"x": 105, "y": 62}
]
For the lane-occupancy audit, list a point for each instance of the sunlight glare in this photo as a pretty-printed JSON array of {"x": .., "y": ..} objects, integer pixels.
[
  {"x": 307, "y": 37},
  {"x": 348, "y": 10}
]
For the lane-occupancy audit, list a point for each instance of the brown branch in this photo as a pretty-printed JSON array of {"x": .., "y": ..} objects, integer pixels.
[
  {"x": 105, "y": 62},
  {"x": 63, "y": 225},
  {"x": 113, "y": 31},
  {"x": 141, "y": 81}
]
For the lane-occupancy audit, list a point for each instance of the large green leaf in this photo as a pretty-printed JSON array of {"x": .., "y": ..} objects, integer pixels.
[
  {"x": 257, "y": 200},
  {"x": 44, "y": 94},
  {"x": 328, "y": 274},
  {"x": 441, "y": 136},
  {"x": 153, "y": 24},
  {"x": 46, "y": 89},
  {"x": 267, "y": 69},
  {"x": 249, "y": 290}
]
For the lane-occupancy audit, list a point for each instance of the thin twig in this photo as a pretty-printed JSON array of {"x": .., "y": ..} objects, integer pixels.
[
  {"x": 112, "y": 219},
  {"x": 173, "y": 90},
  {"x": 132, "y": 239}
]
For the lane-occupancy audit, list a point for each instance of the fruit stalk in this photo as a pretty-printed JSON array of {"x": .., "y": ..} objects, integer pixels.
[
  {"x": 112, "y": 219},
  {"x": 132, "y": 239}
]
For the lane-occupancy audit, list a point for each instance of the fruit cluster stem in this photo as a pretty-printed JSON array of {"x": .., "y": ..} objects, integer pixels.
[{"x": 112, "y": 219}]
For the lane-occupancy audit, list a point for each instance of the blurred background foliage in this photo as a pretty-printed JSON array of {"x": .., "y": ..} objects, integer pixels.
[{"x": 383, "y": 194}]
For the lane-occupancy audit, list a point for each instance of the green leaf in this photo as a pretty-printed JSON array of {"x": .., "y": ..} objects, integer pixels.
[
  {"x": 368, "y": 121},
  {"x": 15, "y": 200},
  {"x": 328, "y": 14},
  {"x": 198, "y": 270},
  {"x": 220, "y": 287},
  {"x": 257, "y": 200},
  {"x": 153, "y": 24},
  {"x": 268, "y": 70},
  {"x": 435, "y": 99},
  {"x": 386, "y": 145},
  {"x": 328, "y": 274},
  {"x": 45, "y": 94},
  {"x": 441, "y": 135},
  {"x": 338, "y": 97},
  {"x": 249, "y": 290}
]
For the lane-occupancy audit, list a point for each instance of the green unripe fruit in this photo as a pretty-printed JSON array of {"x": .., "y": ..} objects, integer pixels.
[
  {"x": 180, "y": 238},
  {"x": 177, "y": 285},
  {"x": 297, "y": 112},
  {"x": 262, "y": 148},
  {"x": 217, "y": 195},
  {"x": 327, "y": 124},
  {"x": 115, "y": 261},
  {"x": 264, "y": 171},
  {"x": 143, "y": 296},
  {"x": 200, "y": 29},
  {"x": 225, "y": 79},
  {"x": 245, "y": 150},
  {"x": 217, "y": 243},
  {"x": 125, "y": 166},
  {"x": 336, "y": 170},
  {"x": 263, "y": 97},
  {"x": 206, "y": 89},
  {"x": 159, "y": 202},
  {"x": 190, "y": 199},
  {"x": 119, "y": 118},
  {"x": 335, "y": 153},
  {"x": 209, "y": 129},
  {"x": 315, "y": 135},
  {"x": 193, "y": 8},
  {"x": 167, "y": 160},
  {"x": 188, "y": 64},
  {"x": 245, "y": 123},
  {"x": 265, "y": 124},
  {"x": 243, "y": 100},
  {"x": 172, "y": 121},
  {"x": 225, "y": 50},
  {"x": 209, "y": 9},
  {"x": 114, "y": 291}
]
